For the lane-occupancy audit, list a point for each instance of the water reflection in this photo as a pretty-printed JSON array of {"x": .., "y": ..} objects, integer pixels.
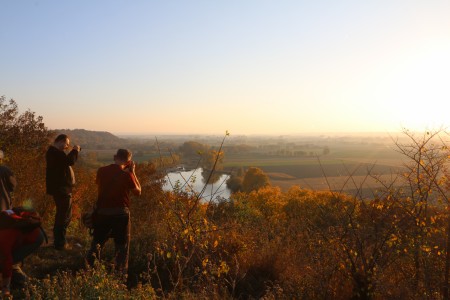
[{"x": 195, "y": 180}]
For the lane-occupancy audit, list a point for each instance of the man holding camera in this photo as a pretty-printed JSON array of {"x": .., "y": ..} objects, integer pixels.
[
  {"x": 59, "y": 182},
  {"x": 112, "y": 217}
]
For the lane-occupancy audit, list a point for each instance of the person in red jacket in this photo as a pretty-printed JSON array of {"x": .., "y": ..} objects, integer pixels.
[
  {"x": 115, "y": 183},
  {"x": 15, "y": 245}
]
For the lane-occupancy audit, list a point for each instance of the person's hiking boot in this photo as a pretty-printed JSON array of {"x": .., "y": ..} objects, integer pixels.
[
  {"x": 59, "y": 236},
  {"x": 19, "y": 278}
]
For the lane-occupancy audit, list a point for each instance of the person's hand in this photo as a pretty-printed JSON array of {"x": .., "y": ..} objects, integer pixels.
[
  {"x": 131, "y": 166},
  {"x": 77, "y": 148}
]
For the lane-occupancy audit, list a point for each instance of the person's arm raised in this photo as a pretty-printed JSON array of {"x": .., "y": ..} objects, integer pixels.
[
  {"x": 72, "y": 157},
  {"x": 137, "y": 189}
]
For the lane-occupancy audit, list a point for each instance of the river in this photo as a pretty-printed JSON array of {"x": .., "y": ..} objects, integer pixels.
[{"x": 195, "y": 181}]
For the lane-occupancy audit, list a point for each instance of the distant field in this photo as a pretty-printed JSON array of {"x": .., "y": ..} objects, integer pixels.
[
  {"x": 344, "y": 161},
  {"x": 260, "y": 162},
  {"x": 328, "y": 170},
  {"x": 312, "y": 167},
  {"x": 336, "y": 183}
]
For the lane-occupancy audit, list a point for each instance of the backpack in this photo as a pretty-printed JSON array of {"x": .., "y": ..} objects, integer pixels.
[
  {"x": 88, "y": 219},
  {"x": 20, "y": 218}
]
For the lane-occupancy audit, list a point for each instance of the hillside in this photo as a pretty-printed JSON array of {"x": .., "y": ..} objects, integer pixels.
[{"x": 91, "y": 139}]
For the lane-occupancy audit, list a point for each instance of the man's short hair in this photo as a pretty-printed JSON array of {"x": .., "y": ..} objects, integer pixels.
[
  {"x": 123, "y": 154},
  {"x": 61, "y": 137}
]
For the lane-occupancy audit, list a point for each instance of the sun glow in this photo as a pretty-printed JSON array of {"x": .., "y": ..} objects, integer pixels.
[{"x": 416, "y": 92}]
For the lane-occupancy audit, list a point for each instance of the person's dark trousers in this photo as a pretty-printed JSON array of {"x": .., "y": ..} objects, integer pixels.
[
  {"x": 118, "y": 227},
  {"x": 63, "y": 215}
]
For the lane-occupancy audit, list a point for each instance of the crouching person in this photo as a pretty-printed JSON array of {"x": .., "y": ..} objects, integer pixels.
[
  {"x": 16, "y": 243},
  {"x": 115, "y": 182}
]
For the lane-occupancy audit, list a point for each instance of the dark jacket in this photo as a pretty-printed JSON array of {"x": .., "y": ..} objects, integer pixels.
[
  {"x": 6, "y": 187},
  {"x": 59, "y": 177}
]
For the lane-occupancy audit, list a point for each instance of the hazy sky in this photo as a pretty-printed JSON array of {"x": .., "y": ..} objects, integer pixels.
[{"x": 247, "y": 66}]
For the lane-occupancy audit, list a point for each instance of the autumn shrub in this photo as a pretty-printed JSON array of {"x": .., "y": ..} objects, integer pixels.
[
  {"x": 189, "y": 255},
  {"x": 24, "y": 138},
  {"x": 252, "y": 227},
  {"x": 93, "y": 283}
]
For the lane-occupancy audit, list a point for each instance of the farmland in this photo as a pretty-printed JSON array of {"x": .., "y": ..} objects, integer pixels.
[
  {"x": 340, "y": 162},
  {"x": 347, "y": 166}
]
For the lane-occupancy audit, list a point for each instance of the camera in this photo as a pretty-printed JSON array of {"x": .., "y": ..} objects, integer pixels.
[{"x": 129, "y": 164}]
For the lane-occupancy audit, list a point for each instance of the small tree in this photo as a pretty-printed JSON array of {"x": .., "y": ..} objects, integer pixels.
[
  {"x": 254, "y": 179},
  {"x": 427, "y": 156},
  {"x": 24, "y": 139}
]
